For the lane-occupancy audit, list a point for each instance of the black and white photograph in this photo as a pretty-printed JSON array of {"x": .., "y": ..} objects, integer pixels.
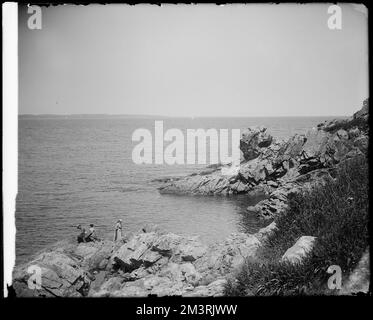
[{"x": 188, "y": 150}]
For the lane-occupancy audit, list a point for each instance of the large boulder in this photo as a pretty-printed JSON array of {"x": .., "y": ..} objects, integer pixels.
[
  {"x": 95, "y": 255},
  {"x": 256, "y": 171},
  {"x": 316, "y": 143},
  {"x": 299, "y": 250},
  {"x": 135, "y": 252},
  {"x": 253, "y": 140},
  {"x": 167, "y": 244},
  {"x": 291, "y": 149}
]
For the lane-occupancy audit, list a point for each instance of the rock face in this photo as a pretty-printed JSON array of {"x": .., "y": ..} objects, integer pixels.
[
  {"x": 299, "y": 250},
  {"x": 278, "y": 168},
  {"x": 252, "y": 140},
  {"x": 151, "y": 262}
]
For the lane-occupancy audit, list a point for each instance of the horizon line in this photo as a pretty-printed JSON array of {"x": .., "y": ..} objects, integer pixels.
[{"x": 163, "y": 116}]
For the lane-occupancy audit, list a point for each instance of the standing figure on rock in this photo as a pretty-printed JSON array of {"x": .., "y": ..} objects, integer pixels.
[{"x": 118, "y": 230}]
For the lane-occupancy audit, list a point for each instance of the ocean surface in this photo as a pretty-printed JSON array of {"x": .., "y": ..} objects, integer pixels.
[{"x": 80, "y": 171}]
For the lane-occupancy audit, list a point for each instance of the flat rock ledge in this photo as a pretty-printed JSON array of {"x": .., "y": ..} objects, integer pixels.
[{"x": 150, "y": 262}]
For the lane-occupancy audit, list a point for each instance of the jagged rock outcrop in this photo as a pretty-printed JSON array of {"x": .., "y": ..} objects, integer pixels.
[
  {"x": 150, "y": 262},
  {"x": 278, "y": 168},
  {"x": 253, "y": 140}
]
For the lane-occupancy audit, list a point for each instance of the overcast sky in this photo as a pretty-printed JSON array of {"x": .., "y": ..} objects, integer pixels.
[{"x": 193, "y": 60}]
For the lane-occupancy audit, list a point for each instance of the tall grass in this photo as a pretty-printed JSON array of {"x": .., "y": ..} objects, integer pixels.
[{"x": 337, "y": 214}]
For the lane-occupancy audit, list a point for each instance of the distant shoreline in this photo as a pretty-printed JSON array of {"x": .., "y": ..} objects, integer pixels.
[{"x": 139, "y": 116}]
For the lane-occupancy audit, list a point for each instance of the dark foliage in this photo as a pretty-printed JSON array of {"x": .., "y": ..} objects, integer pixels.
[{"x": 337, "y": 214}]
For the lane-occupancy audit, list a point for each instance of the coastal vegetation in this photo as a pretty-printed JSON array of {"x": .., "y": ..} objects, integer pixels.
[{"x": 336, "y": 214}]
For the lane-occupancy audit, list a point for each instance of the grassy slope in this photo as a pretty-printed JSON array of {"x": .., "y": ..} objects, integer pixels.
[{"x": 337, "y": 214}]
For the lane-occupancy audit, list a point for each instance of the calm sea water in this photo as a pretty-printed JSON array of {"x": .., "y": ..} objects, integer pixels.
[{"x": 80, "y": 171}]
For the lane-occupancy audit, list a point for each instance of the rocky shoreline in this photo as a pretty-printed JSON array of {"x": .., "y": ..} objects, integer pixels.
[
  {"x": 152, "y": 262},
  {"x": 278, "y": 168}
]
